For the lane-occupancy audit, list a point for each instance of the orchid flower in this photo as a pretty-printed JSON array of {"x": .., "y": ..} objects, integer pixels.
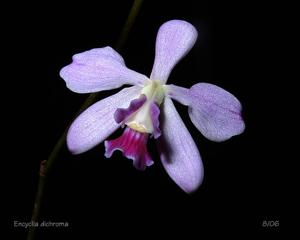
[{"x": 146, "y": 108}]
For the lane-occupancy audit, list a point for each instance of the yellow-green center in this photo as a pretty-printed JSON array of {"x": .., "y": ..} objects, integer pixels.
[{"x": 141, "y": 120}]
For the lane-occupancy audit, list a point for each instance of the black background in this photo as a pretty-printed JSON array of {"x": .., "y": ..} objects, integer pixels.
[{"x": 101, "y": 196}]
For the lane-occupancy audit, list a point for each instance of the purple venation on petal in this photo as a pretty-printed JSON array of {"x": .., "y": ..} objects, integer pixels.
[
  {"x": 174, "y": 40},
  {"x": 133, "y": 144},
  {"x": 215, "y": 112},
  {"x": 154, "y": 113},
  {"x": 123, "y": 113},
  {"x": 92, "y": 57},
  {"x": 178, "y": 152},
  {"x": 98, "y": 70}
]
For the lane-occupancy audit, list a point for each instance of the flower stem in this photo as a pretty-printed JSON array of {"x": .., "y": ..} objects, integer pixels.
[
  {"x": 46, "y": 165},
  {"x": 129, "y": 22}
]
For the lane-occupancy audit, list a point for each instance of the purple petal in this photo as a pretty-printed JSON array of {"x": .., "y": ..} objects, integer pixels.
[
  {"x": 97, "y": 122},
  {"x": 174, "y": 40},
  {"x": 133, "y": 144},
  {"x": 178, "y": 151},
  {"x": 92, "y": 57},
  {"x": 215, "y": 112},
  {"x": 97, "y": 70},
  {"x": 154, "y": 113},
  {"x": 123, "y": 113}
]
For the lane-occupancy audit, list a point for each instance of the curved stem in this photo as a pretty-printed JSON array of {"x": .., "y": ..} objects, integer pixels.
[
  {"x": 129, "y": 22},
  {"x": 46, "y": 165}
]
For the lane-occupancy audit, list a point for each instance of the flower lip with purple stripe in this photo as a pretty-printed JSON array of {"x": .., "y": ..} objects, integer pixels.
[
  {"x": 142, "y": 119},
  {"x": 133, "y": 144}
]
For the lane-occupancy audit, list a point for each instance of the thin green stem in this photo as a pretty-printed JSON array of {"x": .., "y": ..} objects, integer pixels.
[
  {"x": 47, "y": 165},
  {"x": 129, "y": 23}
]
